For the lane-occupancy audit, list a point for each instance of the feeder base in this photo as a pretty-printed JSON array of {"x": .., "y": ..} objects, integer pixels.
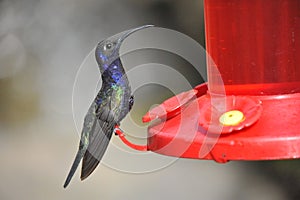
[{"x": 276, "y": 134}]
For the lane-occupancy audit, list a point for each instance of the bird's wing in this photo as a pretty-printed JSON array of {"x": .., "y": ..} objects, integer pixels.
[{"x": 98, "y": 141}]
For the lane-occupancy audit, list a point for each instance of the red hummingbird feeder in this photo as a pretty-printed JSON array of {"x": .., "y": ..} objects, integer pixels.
[{"x": 254, "y": 112}]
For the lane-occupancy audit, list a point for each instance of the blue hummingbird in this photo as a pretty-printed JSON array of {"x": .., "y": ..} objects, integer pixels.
[{"x": 110, "y": 106}]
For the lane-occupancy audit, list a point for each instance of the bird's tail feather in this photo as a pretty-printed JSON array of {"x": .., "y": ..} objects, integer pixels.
[{"x": 75, "y": 164}]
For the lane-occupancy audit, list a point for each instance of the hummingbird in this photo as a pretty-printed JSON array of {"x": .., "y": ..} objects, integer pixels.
[{"x": 110, "y": 106}]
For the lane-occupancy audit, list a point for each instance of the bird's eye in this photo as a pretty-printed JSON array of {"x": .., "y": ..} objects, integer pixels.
[{"x": 108, "y": 46}]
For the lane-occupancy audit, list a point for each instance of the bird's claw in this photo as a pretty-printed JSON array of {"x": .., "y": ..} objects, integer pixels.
[{"x": 118, "y": 131}]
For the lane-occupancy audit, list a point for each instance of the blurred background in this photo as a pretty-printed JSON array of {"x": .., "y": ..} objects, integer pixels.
[{"x": 42, "y": 44}]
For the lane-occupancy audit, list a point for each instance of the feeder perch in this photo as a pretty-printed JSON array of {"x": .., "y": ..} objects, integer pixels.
[{"x": 256, "y": 48}]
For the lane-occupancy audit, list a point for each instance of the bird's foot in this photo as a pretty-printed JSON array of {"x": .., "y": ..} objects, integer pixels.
[{"x": 118, "y": 131}]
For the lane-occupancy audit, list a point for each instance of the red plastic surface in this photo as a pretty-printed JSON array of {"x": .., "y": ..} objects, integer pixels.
[
  {"x": 255, "y": 42},
  {"x": 250, "y": 107},
  {"x": 171, "y": 107},
  {"x": 120, "y": 133},
  {"x": 276, "y": 135}
]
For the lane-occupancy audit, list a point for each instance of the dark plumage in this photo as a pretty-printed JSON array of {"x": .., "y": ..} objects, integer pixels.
[{"x": 110, "y": 106}]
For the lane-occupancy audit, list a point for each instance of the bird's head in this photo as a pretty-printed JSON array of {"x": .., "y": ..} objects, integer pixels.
[{"x": 107, "y": 51}]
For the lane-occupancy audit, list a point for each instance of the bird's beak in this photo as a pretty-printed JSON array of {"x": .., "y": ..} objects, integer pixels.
[{"x": 125, "y": 34}]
